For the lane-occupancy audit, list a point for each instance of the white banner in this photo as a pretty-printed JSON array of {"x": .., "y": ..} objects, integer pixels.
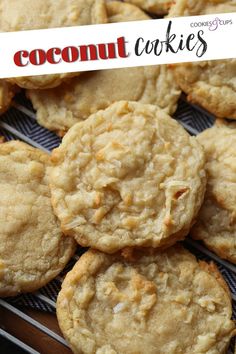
[{"x": 117, "y": 45}]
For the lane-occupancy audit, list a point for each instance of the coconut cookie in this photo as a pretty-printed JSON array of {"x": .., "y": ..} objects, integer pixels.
[
  {"x": 127, "y": 176},
  {"x": 216, "y": 222},
  {"x": 159, "y": 7},
  {"x": 211, "y": 84},
  {"x": 29, "y": 15},
  {"x": 33, "y": 250},
  {"x": 7, "y": 92},
  {"x": 152, "y": 303},
  {"x": 61, "y": 108}
]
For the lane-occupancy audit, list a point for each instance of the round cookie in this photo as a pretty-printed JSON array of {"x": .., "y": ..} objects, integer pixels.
[
  {"x": 158, "y": 7},
  {"x": 59, "y": 109},
  {"x": 152, "y": 303},
  {"x": 7, "y": 92},
  {"x": 33, "y": 249},
  {"x": 216, "y": 222},
  {"x": 211, "y": 84},
  {"x": 21, "y": 15},
  {"x": 127, "y": 176}
]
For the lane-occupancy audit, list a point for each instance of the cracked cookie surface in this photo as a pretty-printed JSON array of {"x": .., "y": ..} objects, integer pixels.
[
  {"x": 122, "y": 178},
  {"x": 151, "y": 302}
]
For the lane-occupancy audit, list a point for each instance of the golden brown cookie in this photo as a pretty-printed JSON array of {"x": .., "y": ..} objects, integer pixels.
[
  {"x": 151, "y": 302},
  {"x": 211, "y": 84},
  {"x": 7, "y": 92},
  {"x": 127, "y": 176},
  {"x": 158, "y": 7},
  {"x": 59, "y": 109},
  {"x": 21, "y": 15},
  {"x": 216, "y": 222},
  {"x": 33, "y": 249}
]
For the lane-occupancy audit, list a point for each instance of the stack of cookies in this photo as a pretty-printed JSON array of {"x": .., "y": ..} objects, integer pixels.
[
  {"x": 128, "y": 182},
  {"x": 123, "y": 184}
]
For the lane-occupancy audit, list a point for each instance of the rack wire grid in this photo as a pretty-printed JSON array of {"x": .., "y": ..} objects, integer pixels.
[{"x": 20, "y": 123}]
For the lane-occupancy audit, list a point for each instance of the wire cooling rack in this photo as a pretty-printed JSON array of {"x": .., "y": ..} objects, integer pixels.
[{"x": 20, "y": 123}]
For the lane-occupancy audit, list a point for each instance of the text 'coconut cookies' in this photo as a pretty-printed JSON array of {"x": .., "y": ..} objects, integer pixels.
[
  {"x": 211, "y": 84},
  {"x": 122, "y": 178},
  {"x": 22, "y": 15},
  {"x": 33, "y": 249},
  {"x": 216, "y": 222},
  {"x": 152, "y": 302},
  {"x": 59, "y": 109}
]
